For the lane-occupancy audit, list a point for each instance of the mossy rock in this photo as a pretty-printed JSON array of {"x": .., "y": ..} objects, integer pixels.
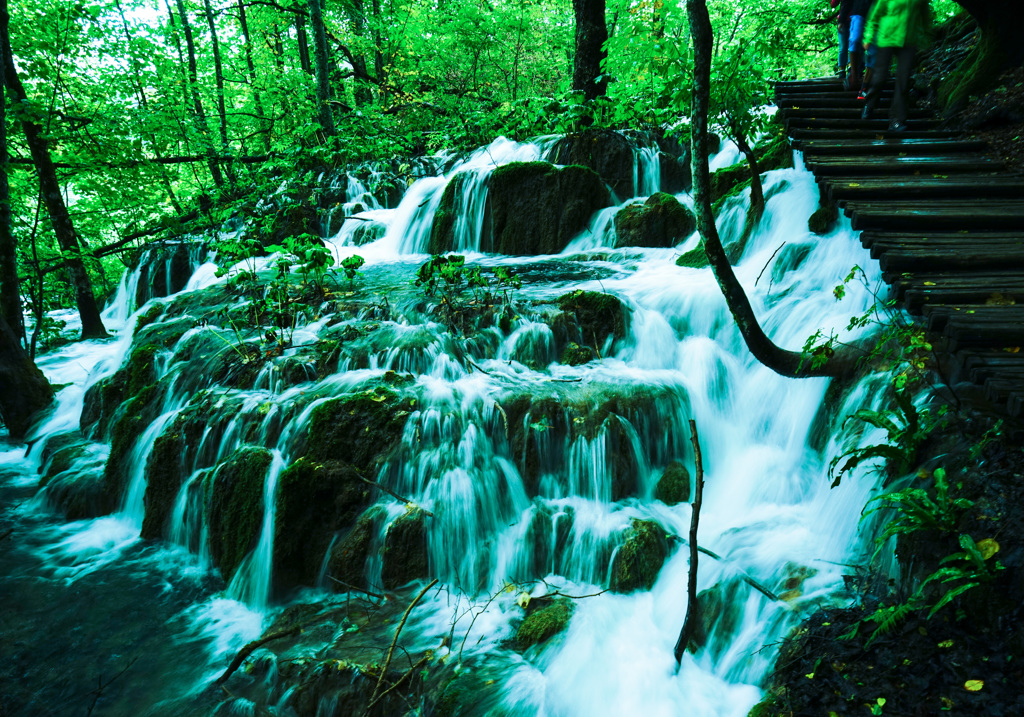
[
  {"x": 234, "y": 506},
  {"x": 347, "y": 559},
  {"x": 536, "y": 208},
  {"x": 404, "y": 557},
  {"x": 314, "y": 501},
  {"x": 775, "y": 154},
  {"x": 362, "y": 429},
  {"x": 166, "y": 270},
  {"x": 597, "y": 316},
  {"x": 368, "y": 232},
  {"x": 130, "y": 421},
  {"x": 141, "y": 368},
  {"x": 661, "y": 221},
  {"x": 728, "y": 182},
  {"x": 147, "y": 317},
  {"x": 823, "y": 219},
  {"x": 442, "y": 230},
  {"x": 164, "y": 334},
  {"x": 639, "y": 558},
  {"x": 576, "y": 355},
  {"x": 606, "y": 152},
  {"x": 543, "y": 623},
  {"x": 695, "y": 258},
  {"x": 73, "y": 477},
  {"x": 674, "y": 485},
  {"x": 166, "y": 467},
  {"x": 101, "y": 402}
]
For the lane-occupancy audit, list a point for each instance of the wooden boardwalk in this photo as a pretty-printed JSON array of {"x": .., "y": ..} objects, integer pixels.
[{"x": 945, "y": 222}]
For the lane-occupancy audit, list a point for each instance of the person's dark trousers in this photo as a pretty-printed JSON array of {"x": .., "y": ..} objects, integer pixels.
[{"x": 904, "y": 65}]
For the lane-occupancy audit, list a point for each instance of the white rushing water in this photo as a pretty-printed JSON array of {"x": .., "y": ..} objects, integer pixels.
[{"x": 768, "y": 510}]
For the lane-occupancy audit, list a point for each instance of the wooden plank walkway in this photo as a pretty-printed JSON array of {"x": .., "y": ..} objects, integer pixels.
[{"x": 945, "y": 221}]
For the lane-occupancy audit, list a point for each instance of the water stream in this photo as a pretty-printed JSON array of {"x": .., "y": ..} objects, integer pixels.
[{"x": 768, "y": 510}]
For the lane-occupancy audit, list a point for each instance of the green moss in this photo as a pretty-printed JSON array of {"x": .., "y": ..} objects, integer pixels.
[
  {"x": 163, "y": 480},
  {"x": 234, "y": 506},
  {"x": 442, "y": 232},
  {"x": 148, "y": 316},
  {"x": 537, "y": 208},
  {"x": 544, "y": 623},
  {"x": 776, "y": 154},
  {"x": 597, "y": 315},
  {"x": 974, "y": 74},
  {"x": 130, "y": 421},
  {"x": 639, "y": 558},
  {"x": 576, "y": 355},
  {"x": 728, "y": 182},
  {"x": 821, "y": 221},
  {"x": 661, "y": 221},
  {"x": 674, "y": 485},
  {"x": 314, "y": 502},
  {"x": 361, "y": 429},
  {"x": 404, "y": 557},
  {"x": 347, "y": 561},
  {"x": 141, "y": 368},
  {"x": 694, "y": 258}
]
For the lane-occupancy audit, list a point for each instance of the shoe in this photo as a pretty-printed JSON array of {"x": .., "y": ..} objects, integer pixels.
[
  {"x": 898, "y": 127},
  {"x": 862, "y": 95},
  {"x": 866, "y": 114}
]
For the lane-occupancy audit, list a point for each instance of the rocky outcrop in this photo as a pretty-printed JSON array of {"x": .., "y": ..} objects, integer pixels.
[
  {"x": 347, "y": 560},
  {"x": 639, "y": 558},
  {"x": 545, "y": 618},
  {"x": 404, "y": 557},
  {"x": 606, "y": 152},
  {"x": 674, "y": 485},
  {"x": 234, "y": 507},
  {"x": 661, "y": 221}
]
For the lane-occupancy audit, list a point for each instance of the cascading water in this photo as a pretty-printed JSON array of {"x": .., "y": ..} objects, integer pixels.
[{"x": 535, "y": 471}]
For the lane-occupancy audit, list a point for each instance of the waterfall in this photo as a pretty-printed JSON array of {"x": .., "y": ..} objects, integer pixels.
[{"x": 534, "y": 468}]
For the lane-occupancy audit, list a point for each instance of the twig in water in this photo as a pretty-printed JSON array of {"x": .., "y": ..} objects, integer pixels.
[
  {"x": 473, "y": 621},
  {"x": 391, "y": 650},
  {"x": 692, "y": 609},
  {"x": 104, "y": 685},
  {"x": 244, "y": 653},
  {"x": 392, "y": 493},
  {"x": 422, "y": 661},
  {"x": 767, "y": 263},
  {"x": 357, "y": 589}
]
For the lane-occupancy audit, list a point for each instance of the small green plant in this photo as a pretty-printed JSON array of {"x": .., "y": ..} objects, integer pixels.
[
  {"x": 916, "y": 509},
  {"x": 350, "y": 265},
  {"x": 448, "y": 277}
]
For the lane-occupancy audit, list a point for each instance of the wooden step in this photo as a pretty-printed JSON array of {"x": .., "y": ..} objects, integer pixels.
[
  {"x": 802, "y": 135},
  {"x": 919, "y": 290},
  {"x": 953, "y": 186},
  {"x": 933, "y": 259},
  {"x": 798, "y": 96},
  {"x": 877, "y": 125},
  {"x": 876, "y": 165},
  {"x": 844, "y": 113},
  {"x": 941, "y": 239},
  {"x": 978, "y": 365},
  {"x": 846, "y": 101},
  {"x": 944, "y": 215},
  {"x": 894, "y": 145}
]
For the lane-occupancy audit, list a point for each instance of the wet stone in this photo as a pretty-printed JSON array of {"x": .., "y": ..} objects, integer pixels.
[
  {"x": 674, "y": 485},
  {"x": 639, "y": 558},
  {"x": 404, "y": 557}
]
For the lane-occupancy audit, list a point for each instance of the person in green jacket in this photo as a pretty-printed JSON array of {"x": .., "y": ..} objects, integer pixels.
[{"x": 900, "y": 28}]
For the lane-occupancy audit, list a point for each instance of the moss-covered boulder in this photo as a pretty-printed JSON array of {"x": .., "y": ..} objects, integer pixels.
[
  {"x": 542, "y": 623},
  {"x": 234, "y": 506},
  {"x": 727, "y": 181},
  {"x": 314, "y": 502},
  {"x": 165, "y": 270},
  {"x": 72, "y": 479},
  {"x": 661, "y": 221},
  {"x": 173, "y": 450},
  {"x": 536, "y": 208},
  {"x": 576, "y": 355},
  {"x": 606, "y": 152},
  {"x": 361, "y": 429},
  {"x": 823, "y": 219},
  {"x": 674, "y": 485},
  {"x": 347, "y": 560},
  {"x": 595, "y": 317},
  {"x": 442, "y": 230},
  {"x": 368, "y": 232},
  {"x": 405, "y": 557},
  {"x": 639, "y": 558},
  {"x": 129, "y": 422},
  {"x": 104, "y": 398}
]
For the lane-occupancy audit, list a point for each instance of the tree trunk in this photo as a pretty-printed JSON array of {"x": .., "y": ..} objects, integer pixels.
[
  {"x": 591, "y": 34},
  {"x": 323, "y": 81},
  {"x": 756, "y": 190},
  {"x": 300, "y": 33},
  {"x": 256, "y": 99},
  {"x": 10, "y": 290},
  {"x": 193, "y": 86},
  {"x": 24, "y": 389},
  {"x": 378, "y": 51},
  {"x": 218, "y": 74},
  {"x": 787, "y": 363},
  {"x": 63, "y": 228}
]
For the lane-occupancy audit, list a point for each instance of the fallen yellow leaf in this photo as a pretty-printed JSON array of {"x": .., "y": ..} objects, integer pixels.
[
  {"x": 988, "y": 547},
  {"x": 974, "y": 685}
]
